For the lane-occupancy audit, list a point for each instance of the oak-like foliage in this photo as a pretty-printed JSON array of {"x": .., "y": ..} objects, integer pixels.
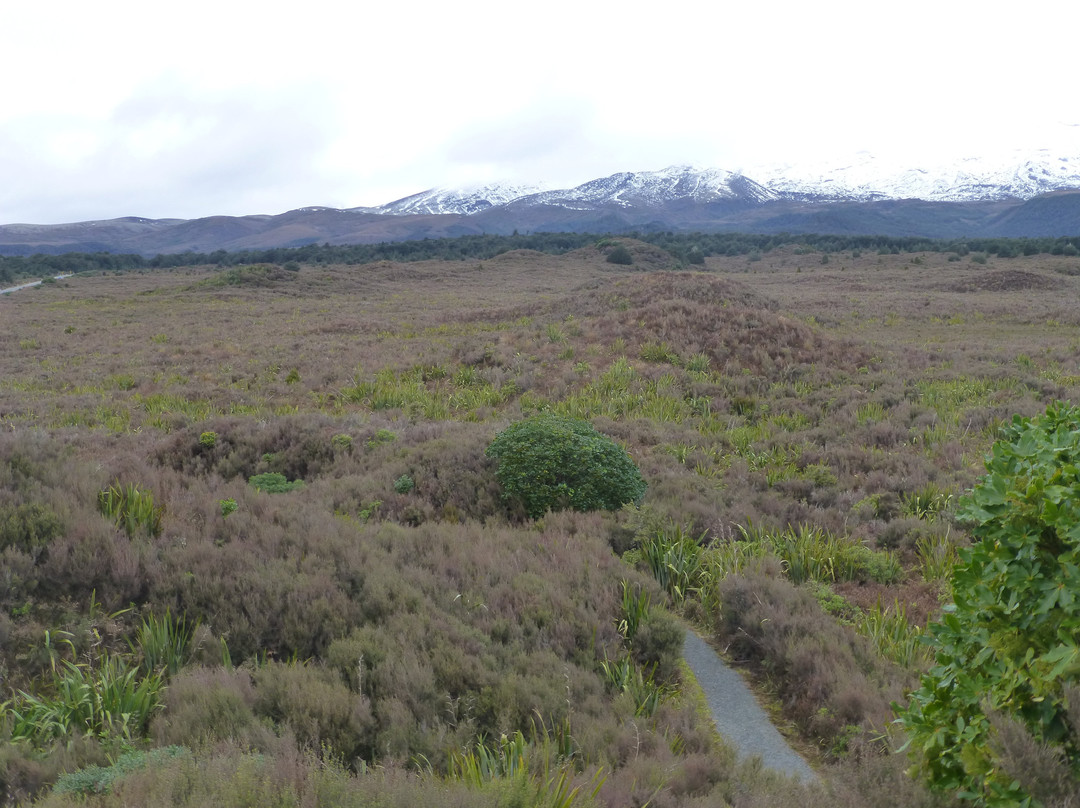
[{"x": 1007, "y": 648}]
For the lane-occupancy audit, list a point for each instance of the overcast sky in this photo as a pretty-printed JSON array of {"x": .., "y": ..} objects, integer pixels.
[{"x": 200, "y": 108}]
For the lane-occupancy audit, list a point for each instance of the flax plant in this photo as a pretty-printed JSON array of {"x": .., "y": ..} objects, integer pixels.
[
  {"x": 481, "y": 766},
  {"x": 635, "y": 609},
  {"x": 893, "y": 635},
  {"x": 164, "y": 644},
  {"x": 131, "y": 508},
  {"x": 937, "y": 557},
  {"x": 625, "y": 676},
  {"x": 107, "y": 699},
  {"x": 675, "y": 559}
]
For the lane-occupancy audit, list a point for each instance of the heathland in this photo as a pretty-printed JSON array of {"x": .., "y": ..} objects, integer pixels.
[{"x": 254, "y": 551}]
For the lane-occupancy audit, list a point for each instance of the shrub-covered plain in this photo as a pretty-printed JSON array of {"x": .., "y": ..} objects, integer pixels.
[{"x": 386, "y": 632}]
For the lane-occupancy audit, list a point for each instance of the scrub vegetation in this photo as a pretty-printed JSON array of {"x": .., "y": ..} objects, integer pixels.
[{"x": 264, "y": 541}]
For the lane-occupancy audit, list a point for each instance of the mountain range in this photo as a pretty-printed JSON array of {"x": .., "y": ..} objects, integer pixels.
[{"x": 1035, "y": 195}]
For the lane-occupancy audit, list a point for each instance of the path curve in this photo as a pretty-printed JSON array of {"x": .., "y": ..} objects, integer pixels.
[{"x": 739, "y": 718}]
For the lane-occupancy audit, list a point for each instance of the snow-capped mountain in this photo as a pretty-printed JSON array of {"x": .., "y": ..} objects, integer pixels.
[
  {"x": 642, "y": 189},
  {"x": 654, "y": 188},
  {"x": 864, "y": 178},
  {"x": 1012, "y": 175},
  {"x": 1010, "y": 196},
  {"x": 450, "y": 200}
]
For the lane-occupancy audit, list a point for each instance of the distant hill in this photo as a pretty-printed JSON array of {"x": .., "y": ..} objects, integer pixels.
[{"x": 1032, "y": 200}]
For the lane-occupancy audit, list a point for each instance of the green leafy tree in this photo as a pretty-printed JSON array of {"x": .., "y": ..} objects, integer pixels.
[
  {"x": 1007, "y": 655},
  {"x": 550, "y": 462}
]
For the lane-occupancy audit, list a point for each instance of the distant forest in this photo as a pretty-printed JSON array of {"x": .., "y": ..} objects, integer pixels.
[{"x": 687, "y": 248}]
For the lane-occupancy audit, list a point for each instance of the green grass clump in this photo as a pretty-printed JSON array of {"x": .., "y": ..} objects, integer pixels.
[
  {"x": 131, "y": 508},
  {"x": 894, "y": 636},
  {"x": 810, "y": 553}
]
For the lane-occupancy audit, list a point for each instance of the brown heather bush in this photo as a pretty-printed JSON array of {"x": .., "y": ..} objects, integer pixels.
[
  {"x": 26, "y": 772},
  {"x": 315, "y": 704},
  {"x": 208, "y": 706},
  {"x": 827, "y": 677}
]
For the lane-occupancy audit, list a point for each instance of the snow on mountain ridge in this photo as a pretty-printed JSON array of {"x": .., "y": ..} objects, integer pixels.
[
  {"x": 463, "y": 201},
  {"x": 647, "y": 188},
  {"x": 866, "y": 177},
  {"x": 625, "y": 189},
  {"x": 862, "y": 178}
]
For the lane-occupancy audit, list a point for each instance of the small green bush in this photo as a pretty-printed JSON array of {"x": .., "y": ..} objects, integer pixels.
[
  {"x": 99, "y": 779},
  {"x": 550, "y": 462},
  {"x": 209, "y": 705},
  {"x": 273, "y": 482},
  {"x": 380, "y": 437},
  {"x": 29, "y": 527},
  {"x": 404, "y": 484},
  {"x": 342, "y": 441},
  {"x": 620, "y": 255},
  {"x": 208, "y": 440}
]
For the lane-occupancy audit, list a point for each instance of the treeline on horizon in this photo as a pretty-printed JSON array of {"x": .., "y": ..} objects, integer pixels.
[{"x": 688, "y": 248}]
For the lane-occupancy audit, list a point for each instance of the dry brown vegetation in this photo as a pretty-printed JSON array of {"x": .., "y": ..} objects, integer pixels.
[{"x": 375, "y": 628}]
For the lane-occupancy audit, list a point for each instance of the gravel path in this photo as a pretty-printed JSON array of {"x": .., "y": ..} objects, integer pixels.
[
  {"x": 738, "y": 716},
  {"x": 31, "y": 284}
]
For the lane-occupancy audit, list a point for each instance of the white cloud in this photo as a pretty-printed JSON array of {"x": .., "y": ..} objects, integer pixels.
[{"x": 128, "y": 108}]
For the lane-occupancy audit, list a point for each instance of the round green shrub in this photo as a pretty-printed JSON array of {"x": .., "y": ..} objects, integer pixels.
[{"x": 550, "y": 462}]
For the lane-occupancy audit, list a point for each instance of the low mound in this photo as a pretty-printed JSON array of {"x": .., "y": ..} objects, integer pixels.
[
  {"x": 643, "y": 257},
  {"x": 259, "y": 275},
  {"x": 642, "y": 290},
  {"x": 687, "y": 313},
  {"x": 1006, "y": 280}
]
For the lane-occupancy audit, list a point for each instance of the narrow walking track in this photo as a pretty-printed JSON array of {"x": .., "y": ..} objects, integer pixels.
[
  {"x": 738, "y": 716},
  {"x": 31, "y": 284}
]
